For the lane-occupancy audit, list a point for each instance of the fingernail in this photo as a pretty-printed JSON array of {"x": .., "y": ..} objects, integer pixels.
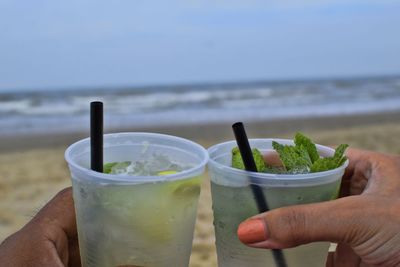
[{"x": 252, "y": 231}]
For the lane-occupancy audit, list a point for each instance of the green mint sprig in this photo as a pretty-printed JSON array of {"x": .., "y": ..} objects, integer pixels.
[
  {"x": 330, "y": 163},
  {"x": 237, "y": 161},
  {"x": 303, "y": 157}
]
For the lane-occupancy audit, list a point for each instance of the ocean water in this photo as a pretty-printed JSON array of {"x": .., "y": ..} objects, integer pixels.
[{"x": 68, "y": 110}]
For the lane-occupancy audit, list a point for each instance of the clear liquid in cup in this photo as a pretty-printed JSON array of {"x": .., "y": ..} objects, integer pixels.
[
  {"x": 233, "y": 205},
  {"x": 120, "y": 225}
]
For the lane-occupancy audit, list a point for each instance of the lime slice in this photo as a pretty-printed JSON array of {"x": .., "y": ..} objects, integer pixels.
[
  {"x": 185, "y": 188},
  {"x": 166, "y": 173}
]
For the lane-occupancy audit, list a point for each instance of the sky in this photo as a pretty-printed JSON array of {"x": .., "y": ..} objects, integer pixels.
[{"x": 51, "y": 44}]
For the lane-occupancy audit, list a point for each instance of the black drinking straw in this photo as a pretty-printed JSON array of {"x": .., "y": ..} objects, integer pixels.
[
  {"x": 96, "y": 136},
  {"x": 250, "y": 165}
]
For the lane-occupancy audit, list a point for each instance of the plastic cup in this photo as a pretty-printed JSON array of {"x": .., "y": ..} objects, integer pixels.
[
  {"x": 145, "y": 221},
  {"x": 233, "y": 202}
]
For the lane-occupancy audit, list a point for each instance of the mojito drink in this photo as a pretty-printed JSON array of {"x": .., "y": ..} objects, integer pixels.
[
  {"x": 233, "y": 202},
  {"x": 142, "y": 211}
]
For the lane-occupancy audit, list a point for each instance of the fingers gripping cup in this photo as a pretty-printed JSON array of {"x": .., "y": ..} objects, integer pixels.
[
  {"x": 233, "y": 202},
  {"x": 143, "y": 212}
]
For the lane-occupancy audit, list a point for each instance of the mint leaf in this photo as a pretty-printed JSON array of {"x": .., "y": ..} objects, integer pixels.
[
  {"x": 303, "y": 157},
  {"x": 237, "y": 161},
  {"x": 294, "y": 159},
  {"x": 323, "y": 164},
  {"x": 342, "y": 161},
  {"x": 330, "y": 163},
  {"x": 339, "y": 153},
  {"x": 303, "y": 153},
  {"x": 108, "y": 166},
  {"x": 301, "y": 140}
]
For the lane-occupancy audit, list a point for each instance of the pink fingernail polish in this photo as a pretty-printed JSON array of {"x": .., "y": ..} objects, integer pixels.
[{"x": 252, "y": 231}]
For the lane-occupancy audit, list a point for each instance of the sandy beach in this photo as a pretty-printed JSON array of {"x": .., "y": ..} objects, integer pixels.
[{"x": 33, "y": 168}]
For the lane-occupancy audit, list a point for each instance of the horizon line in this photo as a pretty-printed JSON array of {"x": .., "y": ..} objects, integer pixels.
[{"x": 179, "y": 85}]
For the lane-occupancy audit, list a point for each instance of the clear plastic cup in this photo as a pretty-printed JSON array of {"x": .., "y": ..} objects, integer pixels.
[
  {"x": 233, "y": 202},
  {"x": 136, "y": 220}
]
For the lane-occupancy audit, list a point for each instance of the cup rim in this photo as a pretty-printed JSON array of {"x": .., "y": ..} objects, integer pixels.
[
  {"x": 271, "y": 176},
  {"x": 104, "y": 177}
]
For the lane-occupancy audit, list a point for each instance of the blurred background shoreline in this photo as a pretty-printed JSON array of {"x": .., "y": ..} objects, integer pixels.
[
  {"x": 210, "y": 133},
  {"x": 41, "y": 111}
]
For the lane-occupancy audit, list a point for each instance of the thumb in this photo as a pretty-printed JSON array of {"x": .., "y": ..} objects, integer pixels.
[{"x": 335, "y": 221}]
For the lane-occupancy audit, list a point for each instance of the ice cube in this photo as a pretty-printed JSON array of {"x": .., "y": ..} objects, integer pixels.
[
  {"x": 120, "y": 167},
  {"x": 152, "y": 165}
]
